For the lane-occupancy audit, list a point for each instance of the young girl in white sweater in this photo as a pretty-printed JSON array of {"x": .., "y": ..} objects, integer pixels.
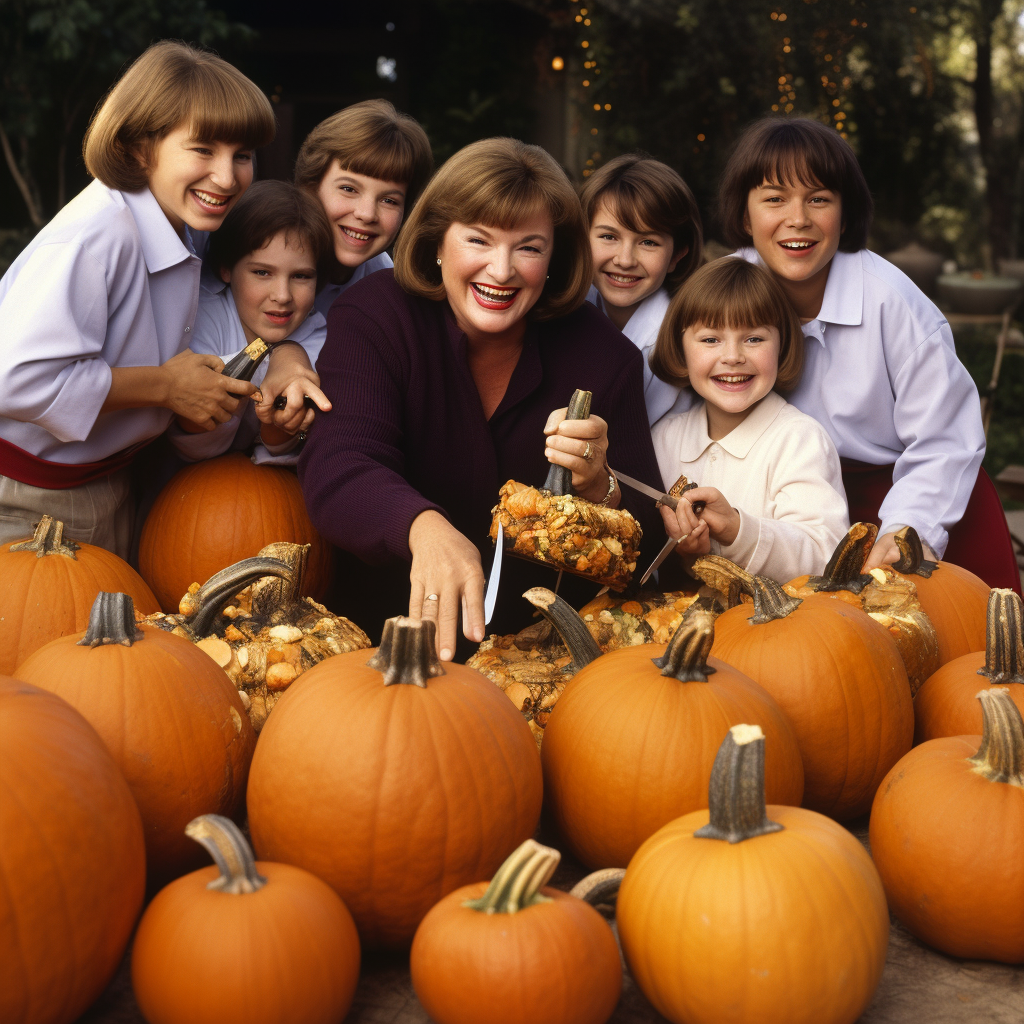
[{"x": 769, "y": 473}]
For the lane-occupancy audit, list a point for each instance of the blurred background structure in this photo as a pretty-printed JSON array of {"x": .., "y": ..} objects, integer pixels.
[{"x": 930, "y": 94}]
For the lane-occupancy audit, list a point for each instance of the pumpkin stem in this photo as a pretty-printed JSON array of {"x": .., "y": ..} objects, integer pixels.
[
  {"x": 111, "y": 621},
  {"x": 202, "y": 606},
  {"x": 225, "y": 843},
  {"x": 686, "y": 658},
  {"x": 728, "y": 578},
  {"x": 516, "y": 883},
  {"x": 243, "y": 366},
  {"x": 599, "y": 887},
  {"x": 1004, "y": 638},
  {"x": 736, "y": 791},
  {"x": 843, "y": 571},
  {"x": 407, "y": 653},
  {"x": 48, "y": 539},
  {"x": 912, "y": 561},
  {"x": 1000, "y": 758},
  {"x": 559, "y": 479},
  {"x": 771, "y": 601},
  {"x": 582, "y": 646}
]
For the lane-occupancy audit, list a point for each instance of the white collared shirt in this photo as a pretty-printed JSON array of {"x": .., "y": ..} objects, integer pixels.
[
  {"x": 219, "y": 332},
  {"x": 778, "y": 469},
  {"x": 326, "y": 296},
  {"x": 881, "y": 375},
  {"x": 108, "y": 282},
  {"x": 642, "y": 329}
]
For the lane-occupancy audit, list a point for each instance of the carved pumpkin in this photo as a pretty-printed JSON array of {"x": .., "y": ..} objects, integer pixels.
[
  {"x": 889, "y": 598},
  {"x": 72, "y": 861},
  {"x": 947, "y": 703},
  {"x": 245, "y": 942},
  {"x": 218, "y": 512},
  {"x": 170, "y": 717},
  {"x": 632, "y": 740},
  {"x": 514, "y": 951},
  {"x": 839, "y": 679},
  {"x": 746, "y": 913},
  {"x": 49, "y": 585},
  {"x": 395, "y": 780},
  {"x": 947, "y": 830}
]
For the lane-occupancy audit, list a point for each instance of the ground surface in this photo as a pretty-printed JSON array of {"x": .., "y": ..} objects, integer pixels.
[{"x": 919, "y": 986}]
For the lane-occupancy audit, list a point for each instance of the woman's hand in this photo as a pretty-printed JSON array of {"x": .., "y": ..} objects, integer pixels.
[
  {"x": 446, "y": 579},
  {"x": 580, "y": 446},
  {"x": 197, "y": 391}
]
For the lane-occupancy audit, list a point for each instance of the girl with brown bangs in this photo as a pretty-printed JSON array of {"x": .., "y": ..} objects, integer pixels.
[
  {"x": 99, "y": 309},
  {"x": 768, "y": 473}
]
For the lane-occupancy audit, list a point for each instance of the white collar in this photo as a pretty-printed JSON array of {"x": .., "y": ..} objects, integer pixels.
[
  {"x": 643, "y": 326},
  {"x": 695, "y": 439},
  {"x": 162, "y": 247}
]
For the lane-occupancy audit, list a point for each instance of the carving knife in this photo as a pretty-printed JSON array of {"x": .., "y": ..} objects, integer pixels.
[{"x": 491, "y": 597}]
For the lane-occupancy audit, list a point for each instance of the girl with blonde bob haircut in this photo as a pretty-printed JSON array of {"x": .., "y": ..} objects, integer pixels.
[
  {"x": 99, "y": 309},
  {"x": 450, "y": 376},
  {"x": 733, "y": 338}
]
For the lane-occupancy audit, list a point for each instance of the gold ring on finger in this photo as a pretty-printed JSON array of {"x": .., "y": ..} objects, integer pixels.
[{"x": 588, "y": 453}]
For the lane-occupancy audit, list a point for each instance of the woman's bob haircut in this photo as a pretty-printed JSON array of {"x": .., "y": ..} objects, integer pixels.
[
  {"x": 498, "y": 183},
  {"x": 643, "y": 194},
  {"x": 729, "y": 292},
  {"x": 370, "y": 138},
  {"x": 172, "y": 85},
  {"x": 783, "y": 151}
]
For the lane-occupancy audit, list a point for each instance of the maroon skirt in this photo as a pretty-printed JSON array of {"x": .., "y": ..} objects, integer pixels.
[{"x": 980, "y": 542}]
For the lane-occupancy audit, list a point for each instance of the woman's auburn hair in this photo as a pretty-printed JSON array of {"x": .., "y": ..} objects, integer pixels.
[
  {"x": 173, "y": 84},
  {"x": 729, "y": 292},
  {"x": 266, "y": 209},
  {"x": 498, "y": 183},
  {"x": 644, "y": 194},
  {"x": 782, "y": 150},
  {"x": 371, "y": 138}
]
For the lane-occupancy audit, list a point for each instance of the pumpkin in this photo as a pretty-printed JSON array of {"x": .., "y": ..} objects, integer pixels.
[
  {"x": 889, "y": 598},
  {"x": 172, "y": 720},
  {"x": 395, "y": 780},
  {"x": 946, "y": 704},
  {"x": 49, "y": 585},
  {"x": 72, "y": 861},
  {"x": 746, "y": 913},
  {"x": 252, "y": 619},
  {"x": 648, "y": 617},
  {"x": 952, "y": 597},
  {"x": 631, "y": 742},
  {"x": 516, "y": 952},
  {"x": 245, "y": 942},
  {"x": 839, "y": 679},
  {"x": 218, "y": 512},
  {"x": 947, "y": 830}
]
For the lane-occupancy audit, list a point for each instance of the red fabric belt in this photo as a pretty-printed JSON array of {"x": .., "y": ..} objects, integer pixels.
[
  {"x": 30, "y": 469},
  {"x": 980, "y": 542}
]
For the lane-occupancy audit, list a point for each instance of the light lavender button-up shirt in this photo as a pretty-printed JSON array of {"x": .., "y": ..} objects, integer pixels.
[{"x": 108, "y": 282}]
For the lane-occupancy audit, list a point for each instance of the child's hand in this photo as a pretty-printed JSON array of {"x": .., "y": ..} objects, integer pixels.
[
  {"x": 885, "y": 552},
  {"x": 690, "y": 532},
  {"x": 291, "y": 378},
  {"x": 196, "y": 390},
  {"x": 722, "y": 519}
]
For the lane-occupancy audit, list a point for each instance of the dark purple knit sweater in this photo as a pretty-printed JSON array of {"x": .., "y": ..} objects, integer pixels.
[{"x": 407, "y": 433}]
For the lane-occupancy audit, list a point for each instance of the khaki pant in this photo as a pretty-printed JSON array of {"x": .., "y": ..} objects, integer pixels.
[{"x": 99, "y": 513}]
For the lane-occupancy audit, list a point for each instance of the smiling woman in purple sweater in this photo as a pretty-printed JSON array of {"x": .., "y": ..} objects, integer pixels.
[{"x": 450, "y": 376}]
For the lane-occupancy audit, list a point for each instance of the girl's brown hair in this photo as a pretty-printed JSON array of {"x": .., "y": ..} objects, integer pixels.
[
  {"x": 644, "y": 194},
  {"x": 172, "y": 85},
  {"x": 498, "y": 183},
  {"x": 729, "y": 292},
  {"x": 780, "y": 151},
  {"x": 370, "y": 138},
  {"x": 266, "y": 209}
]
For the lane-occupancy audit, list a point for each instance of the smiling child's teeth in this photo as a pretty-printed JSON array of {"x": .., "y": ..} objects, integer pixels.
[
  {"x": 733, "y": 380},
  {"x": 210, "y": 199},
  {"x": 796, "y": 245},
  {"x": 356, "y": 234},
  {"x": 623, "y": 279}
]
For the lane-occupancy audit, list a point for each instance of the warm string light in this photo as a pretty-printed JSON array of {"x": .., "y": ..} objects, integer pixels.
[{"x": 584, "y": 17}]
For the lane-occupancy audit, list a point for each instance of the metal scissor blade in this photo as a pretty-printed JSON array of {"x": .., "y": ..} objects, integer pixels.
[
  {"x": 669, "y": 547},
  {"x": 491, "y": 597}
]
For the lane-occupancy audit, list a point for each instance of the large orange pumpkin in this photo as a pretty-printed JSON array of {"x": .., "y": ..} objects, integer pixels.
[
  {"x": 218, "y": 512},
  {"x": 947, "y": 703},
  {"x": 49, "y": 585},
  {"x": 245, "y": 942},
  {"x": 393, "y": 794},
  {"x": 72, "y": 862},
  {"x": 947, "y": 831},
  {"x": 839, "y": 679},
  {"x": 631, "y": 742},
  {"x": 171, "y": 718},
  {"x": 512, "y": 952},
  {"x": 745, "y": 913}
]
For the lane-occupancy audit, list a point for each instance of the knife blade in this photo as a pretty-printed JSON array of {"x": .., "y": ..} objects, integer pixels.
[
  {"x": 491, "y": 597},
  {"x": 667, "y": 549},
  {"x": 652, "y": 492}
]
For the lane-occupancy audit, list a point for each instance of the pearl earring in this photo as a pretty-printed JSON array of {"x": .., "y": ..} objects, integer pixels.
[{"x": 439, "y": 261}]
